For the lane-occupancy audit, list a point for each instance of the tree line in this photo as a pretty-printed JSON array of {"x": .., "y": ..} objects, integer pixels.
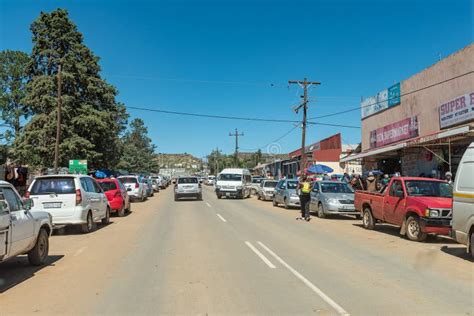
[{"x": 94, "y": 125}]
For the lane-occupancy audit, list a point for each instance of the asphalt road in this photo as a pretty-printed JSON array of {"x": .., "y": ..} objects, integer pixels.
[{"x": 239, "y": 257}]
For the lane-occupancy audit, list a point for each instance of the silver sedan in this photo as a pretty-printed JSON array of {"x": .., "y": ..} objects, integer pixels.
[{"x": 332, "y": 197}]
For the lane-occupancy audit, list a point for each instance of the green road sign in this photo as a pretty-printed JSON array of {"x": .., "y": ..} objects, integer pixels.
[{"x": 78, "y": 166}]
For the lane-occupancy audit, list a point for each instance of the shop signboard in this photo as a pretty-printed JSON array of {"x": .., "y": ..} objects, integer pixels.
[
  {"x": 383, "y": 100},
  {"x": 78, "y": 166},
  {"x": 404, "y": 129},
  {"x": 456, "y": 111}
]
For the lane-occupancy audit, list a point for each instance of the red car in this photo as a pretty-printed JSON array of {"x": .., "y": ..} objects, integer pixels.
[{"x": 116, "y": 194}]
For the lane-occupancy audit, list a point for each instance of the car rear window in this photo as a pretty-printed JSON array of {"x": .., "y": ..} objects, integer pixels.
[
  {"x": 291, "y": 184},
  {"x": 187, "y": 180},
  {"x": 108, "y": 185},
  {"x": 55, "y": 185},
  {"x": 270, "y": 184},
  {"x": 129, "y": 180}
]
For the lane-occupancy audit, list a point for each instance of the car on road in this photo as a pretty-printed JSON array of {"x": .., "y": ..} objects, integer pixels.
[
  {"x": 158, "y": 183},
  {"x": 331, "y": 198},
  {"x": 463, "y": 203},
  {"x": 21, "y": 230},
  {"x": 135, "y": 187},
  {"x": 71, "y": 200},
  {"x": 211, "y": 180},
  {"x": 233, "y": 182},
  {"x": 117, "y": 195},
  {"x": 255, "y": 184},
  {"x": 187, "y": 186},
  {"x": 285, "y": 193},
  {"x": 266, "y": 190},
  {"x": 148, "y": 183},
  {"x": 420, "y": 206}
]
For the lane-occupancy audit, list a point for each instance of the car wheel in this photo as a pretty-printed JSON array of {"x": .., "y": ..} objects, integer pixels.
[
  {"x": 89, "y": 225},
  {"x": 367, "y": 219},
  {"x": 200, "y": 197},
  {"x": 37, "y": 256},
  {"x": 274, "y": 202},
  {"x": 321, "y": 211},
  {"x": 175, "y": 198},
  {"x": 285, "y": 201},
  {"x": 121, "y": 212},
  {"x": 129, "y": 209},
  {"x": 106, "y": 219},
  {"x": 472, "y": 245},
  {"x": 219, "y": 196},
  {"x": 414, "y": 229}
]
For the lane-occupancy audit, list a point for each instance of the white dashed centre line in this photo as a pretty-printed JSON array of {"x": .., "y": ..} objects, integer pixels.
[
  {"x": 308, "y": 283},
  {"x": 222, "y": 218},
  {"x": 260, "y": 255},
  {"x": 208, "y": 204}
]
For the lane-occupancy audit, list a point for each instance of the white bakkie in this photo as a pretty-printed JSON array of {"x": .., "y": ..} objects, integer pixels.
[{"x": 22, "y": 231}]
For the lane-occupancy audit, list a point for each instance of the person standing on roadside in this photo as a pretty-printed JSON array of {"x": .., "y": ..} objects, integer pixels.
[
  {"x": 357, "y": 183},
  {"x": 304, "y": 190},
  {"x": 449, "y": 177},
  {"x": 371, "y": 183}
]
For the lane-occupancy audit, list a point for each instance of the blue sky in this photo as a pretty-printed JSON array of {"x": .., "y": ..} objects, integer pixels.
[{"x": 234, "y": 57}]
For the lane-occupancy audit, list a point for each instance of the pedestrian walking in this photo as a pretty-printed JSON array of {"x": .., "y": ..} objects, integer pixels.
[{"x": 304, "y": 190}]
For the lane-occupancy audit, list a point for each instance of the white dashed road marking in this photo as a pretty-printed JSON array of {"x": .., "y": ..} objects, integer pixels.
[
  {"x": 260, "y": 255},
  {"x": 222, "y": 218}
]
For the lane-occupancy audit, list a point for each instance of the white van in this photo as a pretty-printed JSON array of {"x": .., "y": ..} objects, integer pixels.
[
  {"x": 71, "y": 200},
  {"x": 233, "y": 182},
  {"x": 463, "y": 201}
]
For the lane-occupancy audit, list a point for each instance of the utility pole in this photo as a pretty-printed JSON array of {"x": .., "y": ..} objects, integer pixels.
[
  {"x": 216, "y": 161},
  {"x": 304, "y": 84},
  {"x": 236, "y": 134},
  {"x": 58, "y": 123}
]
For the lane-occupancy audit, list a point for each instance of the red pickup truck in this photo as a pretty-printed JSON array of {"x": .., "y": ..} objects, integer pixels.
[{"x": 420, "y": 206}]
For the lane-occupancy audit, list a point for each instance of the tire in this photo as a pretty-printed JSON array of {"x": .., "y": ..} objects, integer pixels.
[
  {"x": 367, "y": 219},
  {"x": 285, "y": 201},
  {"x": 274, "y": 202},
  {"x": 175, "y": 197},
  {"x": 219, "y": 196},
  {"x": 89, "y": 225},
  {"x": 37, "y": 256},
  {"x": 199, "y": 197},
  {"x": 413, "y": 227},
  {"x": 129, "y": 209},
  {"x": 106, "y": 219},
  {"x": 472, "y": 245},
  {"x": 321, "y": 211},
  {"x": 121, "y": 212}
]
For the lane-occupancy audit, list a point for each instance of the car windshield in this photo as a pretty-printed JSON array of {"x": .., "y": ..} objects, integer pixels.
[
  {"x": 108, "y": 185},
  {"x": 291, "y": 184},
  {"x": 54, "y": 185},
  {"x": 429, "y": 188},
  {"x": 187, "y": 180},
  {"x": 257, "y": 180},
  {"x": 230, "y": 177},
  {"x": 270, "y": 184},
  {"x": 128, "y": 180},
  {"x": 335, "y": 188}
]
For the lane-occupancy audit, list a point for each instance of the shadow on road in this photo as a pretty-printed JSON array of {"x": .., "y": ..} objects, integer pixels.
[
  {"x": 335, "y": 217},
  {"x": 459, "y": 252},
  {"x": 18, "y": 270},
  {"x": 76, "y": 230}
]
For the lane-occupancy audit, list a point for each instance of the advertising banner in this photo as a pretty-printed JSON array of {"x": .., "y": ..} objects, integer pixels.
[
  {"x": 382, "y": 101},
  {"x": 404, "y": 129},
  {"x": 457, "y": 110}
]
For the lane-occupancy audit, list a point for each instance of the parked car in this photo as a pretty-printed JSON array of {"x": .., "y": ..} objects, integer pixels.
[
  {"x": 266, "y": 190},
  {"x": 148, "y": 187},
  {"x": 211, "y": 180},
  {"x": 135, "y": 187},
  {"x": 71, "y": 200},
  {"x": 463, "y": 203},
  {"x": 285, "y": 193},
  {"x": 22, "y": 231},
  {"x": 187, "y": 187},
  {"x": 117, "y": 195},
  {"x": 255, "y": 184},
  {"x": 420, "y": 206},
  {"x": 233, "y": 182},
  {"x": 159, "y": 183},
  {"x": 332, "y": 197}
]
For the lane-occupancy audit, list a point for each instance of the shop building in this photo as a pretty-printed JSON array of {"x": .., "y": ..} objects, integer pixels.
[{"x": 422, "y": 125}]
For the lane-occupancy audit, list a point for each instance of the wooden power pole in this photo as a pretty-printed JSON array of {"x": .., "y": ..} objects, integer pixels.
[
  {"x": 304, "y": 84},
  {"x": 58, "y": 123},
  {"x": 236, "y": 134}
]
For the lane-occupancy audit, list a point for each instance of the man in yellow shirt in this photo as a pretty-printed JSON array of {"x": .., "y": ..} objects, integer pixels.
[{"x": 304, "y": 190}]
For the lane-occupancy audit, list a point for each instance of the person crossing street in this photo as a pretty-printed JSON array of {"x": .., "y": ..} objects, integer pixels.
[{"x": 304, "y": 190}]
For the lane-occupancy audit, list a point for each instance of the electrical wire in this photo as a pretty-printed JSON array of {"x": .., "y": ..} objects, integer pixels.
[{"x": 397, "y": 97}]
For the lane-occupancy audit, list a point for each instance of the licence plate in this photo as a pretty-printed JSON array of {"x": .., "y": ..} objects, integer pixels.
[
  {"x": 348, "y": 207},
  {"x": 52, "y": 205}
]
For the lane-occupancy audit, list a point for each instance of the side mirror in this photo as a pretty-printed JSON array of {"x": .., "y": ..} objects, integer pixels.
[
  {"x": 129, "y": 189},
  {"x": 399, "y": 194},
  {"x": 28, "y": 204}
]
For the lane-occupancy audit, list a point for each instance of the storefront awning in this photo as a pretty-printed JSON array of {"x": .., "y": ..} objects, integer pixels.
[{"x": 413, "y": 142}]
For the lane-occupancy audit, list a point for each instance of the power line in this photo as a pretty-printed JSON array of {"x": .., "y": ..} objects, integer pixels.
[
  {"x": 256, "y": 119},
  {"x": 401, "y": 95}
]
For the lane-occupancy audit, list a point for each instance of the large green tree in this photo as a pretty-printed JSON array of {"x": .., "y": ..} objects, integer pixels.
[
  {"x": 138, "y": 151},
  {"x": 92, "y": 119},
  {"x": 13, "y": 80}
]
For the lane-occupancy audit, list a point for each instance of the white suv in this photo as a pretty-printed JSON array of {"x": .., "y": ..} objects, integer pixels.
[
  {"x": 187, "y": 187},
  {"x": 135, "y": 187},
  {"x": 71, "y": 200}
]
